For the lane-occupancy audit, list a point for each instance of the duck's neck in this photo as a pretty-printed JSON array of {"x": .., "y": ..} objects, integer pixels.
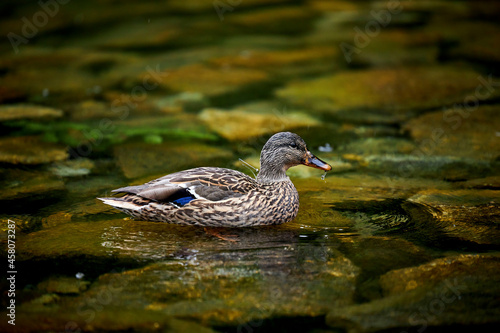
[{"x": 271, "y": 173}]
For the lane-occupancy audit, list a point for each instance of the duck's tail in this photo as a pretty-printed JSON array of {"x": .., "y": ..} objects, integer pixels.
[{"x": 129, "y": 204}]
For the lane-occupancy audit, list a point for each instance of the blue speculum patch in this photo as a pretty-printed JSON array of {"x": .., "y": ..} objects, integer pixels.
[{"x": 182, "y": 201}]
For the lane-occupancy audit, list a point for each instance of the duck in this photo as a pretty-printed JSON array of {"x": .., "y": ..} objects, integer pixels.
[{"x": 220, "y": 197}]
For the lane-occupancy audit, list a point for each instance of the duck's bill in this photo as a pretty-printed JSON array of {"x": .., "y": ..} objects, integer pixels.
[{"x": 314, "y": 162}]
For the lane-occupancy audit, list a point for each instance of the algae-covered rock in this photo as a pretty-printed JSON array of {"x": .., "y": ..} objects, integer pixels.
[
  {"x": 138, "y": 159},
  {"x": 269, "y": 272},
  {"x": 383, "y": 95},
  {"x": 378, "y": 146},
  {"x": 476, "y": 266},
  {"x": 224, "y": 289},
  {"x": 239, "y": 124},
  {"x": 72, "y": 168},
  {"x": 397, "y": 48},
  {"x": 21, "y": 111},
  {"x": 469, "y": 215},
  {"x": 466, "y": 130},
  {"x": 30, "y": 150},
  {"x": 22, "y": 184},
  {"x": 63, "y": 285},
  {"x": 491, "y": 183},
  {"x": 91, "y": 109},
  {"x": 213, "y": 81},
  {"x": 277, "y": 20},
  {"x": 294, "y": 61},
  {"x": 440, "y": 294},
  {"x": 63, "y": 316},
  {"x": 418, "y": 164},
  {"x": 102, "y": 239},
  {"x": 184, "y": 101}
]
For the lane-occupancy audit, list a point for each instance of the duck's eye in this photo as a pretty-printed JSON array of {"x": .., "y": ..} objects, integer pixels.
[{"x": 293, "y": 145}]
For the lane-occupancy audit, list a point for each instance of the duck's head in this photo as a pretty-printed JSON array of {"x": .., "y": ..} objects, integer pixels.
[{"x": 282, "y": 151}]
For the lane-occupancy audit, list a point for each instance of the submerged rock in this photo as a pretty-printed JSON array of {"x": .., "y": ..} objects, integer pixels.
[
  {"x": 141, "y": 159},
  {"x": 236, "y": 288},
  {"x": 21, "y": 111},
  {"x": 72, "y": 168},
  {"x": 468, "y": 215},
  {"x": 62, "y": 315},
  {"x": 475, "y": 266},
  {"x": 419, "y": 165},
  {"x": 30, "y": 150},
  {"x": 184, "y": 101},
  {"x": 63, "y": 285},
  {"x": 440, "y": 294},
  {"x": 91, "y": 109},
  {"x": 378, "y": 146},
  {"x": 215, "y": 81},
  {"x": 383, "y": 95},
  {"x": 22, "y": 184},
  {"x": 466, "y": 130},
  {"x": 239, "y": 124},
  {"x": 287, "y": 62},
  {"x": 491, "y": 183},
  {"x": 186, "y": 273},
  {"x": 273, "y": 20}
]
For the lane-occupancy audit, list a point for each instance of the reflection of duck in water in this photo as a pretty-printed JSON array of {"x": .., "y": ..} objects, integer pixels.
[{"x": 217, "y": 197}]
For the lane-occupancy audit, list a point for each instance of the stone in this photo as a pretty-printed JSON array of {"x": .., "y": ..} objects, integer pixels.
[
  {"x": 213, "y": 81},
  {"x": 30, "y": 150},
  {"x": 488, "y": 183},
  {"x": 469, "y": 38},
  {"x": 273, "y": 20},
  {"x": 437, "y": 294},
  {"x": 39, "y": 317},
  {"x": 139, "y": 160},
  {"x": 135, "y": 34},
  {"x": 476, "y": 266},
  {"x": 293, "y": 61},
  {"x": 63, "y": 285},
  {"x": 21, "y": 111},
  {"x": 438, "y": 167},
  {"x": 72, "y": 168},
  {"x": 383, "y": 95},
  {"x": 337, "y": 6},
  {"x": 467, "y": 215},
  {"x": 91, "y": 109},
  {"x": 184, "y": 101},
  {"x": 226, "y": 290},
  {"x": 378, "y": 146},
  {"x": 239, "y": 124},
  {"x": 195, "y": 6},
  {"x": 396, "y": 48},
  {"x": 465, "y": 131},
  {"x": 49, "y": 78}
]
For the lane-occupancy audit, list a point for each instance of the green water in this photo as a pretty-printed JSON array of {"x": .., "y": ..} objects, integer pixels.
[{"x": 401, "y": 98}]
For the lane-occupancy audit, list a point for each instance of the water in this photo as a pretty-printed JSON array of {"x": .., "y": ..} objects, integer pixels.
[{"x": 403, "y": 235}]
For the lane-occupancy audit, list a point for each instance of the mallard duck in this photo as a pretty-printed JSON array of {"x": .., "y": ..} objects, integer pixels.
[{"x": 218, "y": 197}]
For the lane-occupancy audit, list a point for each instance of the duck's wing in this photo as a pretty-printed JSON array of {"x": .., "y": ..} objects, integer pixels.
[{"x": 180, "y": 188}]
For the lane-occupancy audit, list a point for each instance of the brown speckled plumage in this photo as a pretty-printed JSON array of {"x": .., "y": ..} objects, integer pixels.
[{"x": 217, "y": 197}]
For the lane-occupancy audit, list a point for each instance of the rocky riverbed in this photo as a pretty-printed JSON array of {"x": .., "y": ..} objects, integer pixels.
[{"x": 402, "y": 98}]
